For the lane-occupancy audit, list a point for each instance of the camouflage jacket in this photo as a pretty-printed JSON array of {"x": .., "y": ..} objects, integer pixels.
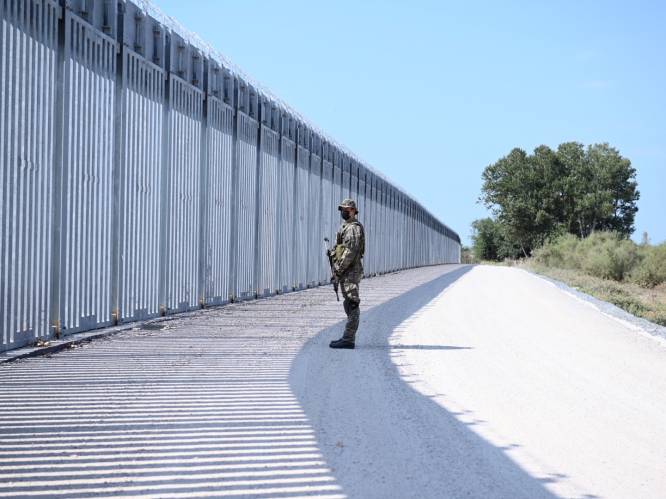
[{"x": 349, "y": 250}]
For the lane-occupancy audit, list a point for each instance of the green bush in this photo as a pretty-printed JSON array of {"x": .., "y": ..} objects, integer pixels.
[
  {"x": 559, "y": 253},
  {"x": 651, "y": 271},
  {"x": 607, "y": 255}
]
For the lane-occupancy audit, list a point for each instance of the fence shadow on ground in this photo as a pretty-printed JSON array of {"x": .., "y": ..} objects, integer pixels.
[
  {"x": 384, "y": 439},
  {"x": 202, "y": 409}
]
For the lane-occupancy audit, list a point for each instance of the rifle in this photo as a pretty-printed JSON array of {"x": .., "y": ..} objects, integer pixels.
[{"x": 334, "y": 279}]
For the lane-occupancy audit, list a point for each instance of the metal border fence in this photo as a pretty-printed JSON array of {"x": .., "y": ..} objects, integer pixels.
[{"x": 142, "y": 175}]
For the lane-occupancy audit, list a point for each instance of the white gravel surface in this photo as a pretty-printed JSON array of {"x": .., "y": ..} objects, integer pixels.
[{"x": 466, "y": 382}]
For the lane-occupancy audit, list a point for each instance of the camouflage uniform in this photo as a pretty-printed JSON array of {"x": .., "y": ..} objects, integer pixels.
[{"x": 349, "y": 250}]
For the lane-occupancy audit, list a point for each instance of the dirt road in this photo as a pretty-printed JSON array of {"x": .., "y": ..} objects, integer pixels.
[{"x": 467, "y": 382}]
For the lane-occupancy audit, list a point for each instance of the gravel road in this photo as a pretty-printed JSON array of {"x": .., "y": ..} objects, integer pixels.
[{"x": 466, "y": 382}]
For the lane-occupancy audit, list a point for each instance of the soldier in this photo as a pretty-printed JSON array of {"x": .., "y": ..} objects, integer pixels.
[{"x": 348, "y": 269}]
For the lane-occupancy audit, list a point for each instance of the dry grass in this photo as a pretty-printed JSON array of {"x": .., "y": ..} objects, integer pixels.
[{"x": 648, "y": 303}]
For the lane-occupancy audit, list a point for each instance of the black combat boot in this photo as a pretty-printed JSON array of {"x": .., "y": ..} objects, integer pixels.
[{"x": 342, "y": 343}]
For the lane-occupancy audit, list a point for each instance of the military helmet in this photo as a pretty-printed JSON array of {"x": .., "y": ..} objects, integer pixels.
[{"x": 347, "y": 203}]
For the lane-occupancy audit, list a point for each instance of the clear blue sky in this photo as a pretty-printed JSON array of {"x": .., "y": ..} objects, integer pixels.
[{"x": 430, "y": 92}]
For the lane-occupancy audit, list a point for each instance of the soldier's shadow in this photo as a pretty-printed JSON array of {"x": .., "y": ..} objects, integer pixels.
[
  {"x": 411, "y": 347},
  {"x": 383, "y": 439}
]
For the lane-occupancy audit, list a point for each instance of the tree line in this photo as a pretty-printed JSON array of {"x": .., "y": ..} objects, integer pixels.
[{"x": 536, "y": 197}]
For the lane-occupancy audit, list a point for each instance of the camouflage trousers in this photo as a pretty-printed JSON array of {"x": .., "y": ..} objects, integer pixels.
[{"x": 351, "y": 304}]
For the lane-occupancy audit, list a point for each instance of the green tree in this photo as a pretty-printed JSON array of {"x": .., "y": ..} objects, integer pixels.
[
  {"x": 574, "y": 189},
  {"x": 601, "y": 189},
  {"x": 489, "y": 241},
  {"x": 485, "y": 239},
  {"x": 467, "y": 255},
  {"x": 525, "y": 195}
]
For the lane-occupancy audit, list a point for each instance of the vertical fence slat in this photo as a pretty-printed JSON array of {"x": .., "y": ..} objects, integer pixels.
[{"x": 269, "y": 216}]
